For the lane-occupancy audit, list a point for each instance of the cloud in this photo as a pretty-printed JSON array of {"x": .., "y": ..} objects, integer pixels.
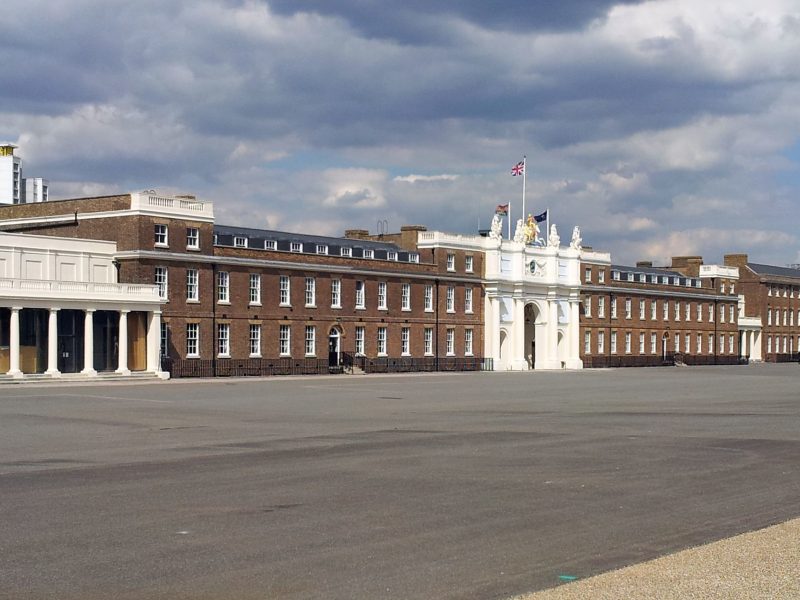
[{"x": 425, "y": 178}]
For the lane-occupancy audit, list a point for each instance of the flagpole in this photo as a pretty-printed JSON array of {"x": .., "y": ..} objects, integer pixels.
[
  {"x": 509, "y": 220},
  {"x": 524, "y": 175},
  {"x": 547, "y": 227}
]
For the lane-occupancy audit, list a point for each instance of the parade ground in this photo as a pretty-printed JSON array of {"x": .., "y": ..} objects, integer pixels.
[{"x": 476, "y": 486}]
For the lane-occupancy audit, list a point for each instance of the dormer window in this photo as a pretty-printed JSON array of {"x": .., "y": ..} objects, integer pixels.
[
  {"x": 346, "y": 251},
  {"x": 322, "y": 249},
  {"x": 642, "y": 278},
  {"x": 296, "y": 247},
  {"x": 369, "y": 253},
  {"x": 676, "y": 281},
  {"x": 239, "y": 242},
  {"x": 615, "y": 275},
  {"x": 391, "y": 255},
  {"x": 413, "y": 257},
  {"x": 270, "y": 245},
  {"x": 630, "y": 276}
]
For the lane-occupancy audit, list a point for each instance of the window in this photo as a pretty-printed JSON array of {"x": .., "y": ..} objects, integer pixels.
[
  {"x": 161, "y": 282},
  {"x": 451, "y": 262},
  {"x": 587, "y": 342},
  {"x": 641, "y": 310},
  {"x": 699, "y": 311},
  {"x": 223, "y": 287},
  {"x": 192, "y": 238},
  {"x": 676, "y": 281},
  {"x": 296, "y": 247},
  {"x": 346, "y": 251},
  {"x": 601, "y": 307},
  {"x": 769, "y": 344},
  {"x": 711, "y": 343},
  {"x": 601, "y": 276},
  {"x": 642, "y": 278},
  {"x": 192, "y": 292},
  {"x": 731, "y": 318},
  {"x": 677, "y": 310},
  {"x": 615, "y": 275},
  {"x": 628, "y": 308},
  {"x": 613, "y": 303},
  {"x": 405, "y": 296},
  {"x": 791, "y": 318},
  {"x": 270, "y": 245},
  {"x": 322, "y": 249},
  {"x": 428, "y": 339},
  {"x": 450, "y": 341},
  {"x": 360, "y": 340},
  {"x": 710, "y": 313},
  {"x": 413, "y": 257},
  {"x": 240, "y": 241},
  {"x": 161, "y": 236},
  {"x": 688, "y": 311},
  {"x": 468, "y": 300},
  {"x": 699, "y": 349},
  {"x": 677, "y": 345},
  {"x": 777, "y": 316},
  {"x": 664, "y": 280},
  {"x": 192, "y": 340},
  {"x": 283, "y": 286},
  {"x": 601, "y": 342},
  {"x": 451, "y": 299},
  {"x": 336, "y": 293},
  {"x": 468, "y": 261},
  {"x": 587, "y": 306},
  {"x": 391, "y": 255},
  {"x": 630, "y": 276},
  {"x": 428, "y": 298},
  {"x": 255, "y": 340},
  {"x": 223, "y": 339},
  {"x": 653, "y": 343},
  {"x": 587, "y": 275},
  {"x": 665, "y": 315},
  {"x": 382, "y": 295},
  {"x": 613, "y": 342},
  {"x": 722, "y": 288},
  {"x": 360, "y": 294},
  {"x": 785, "y": 316},
  {"x": 733, "y": 291},
  {"x": 721, "y": 313},
  {"x": 468, "y": 342},
  {"x": 653, "y": 310},
  {"x": 641, "y": 342},
  {"x": 627, "y": 342},
  {"x": 381, "y": 341},
  {"x": 311, "y": 292},
  {"x": 164, "y": 348},
  {"x": 369, "y": 253},
  {"x": 255, "y": 289},
  {"x": 687, "y": 343},
  {"x": 311, "y": 340},
  {"x": 769, "y": 290},
  {"x": 721, "y": 343},
  {"x": 731, "y": 343},
  {"x": 405, "y": 334}
]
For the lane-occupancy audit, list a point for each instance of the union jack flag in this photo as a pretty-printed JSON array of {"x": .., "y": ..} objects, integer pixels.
[{"x": 518, "y": 169}]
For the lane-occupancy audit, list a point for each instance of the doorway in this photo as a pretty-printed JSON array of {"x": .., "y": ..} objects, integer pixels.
[
  {"x": 106, "y": 340},
  {"x": 70, "y": 340},
  {"x": 334, "y": 347}
]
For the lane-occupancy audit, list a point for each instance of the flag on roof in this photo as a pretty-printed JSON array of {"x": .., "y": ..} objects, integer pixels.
[
  {"x": 540, "y": 218},
  {"x": 502, "y": 210},
  {"x": 519, "y": 168}
]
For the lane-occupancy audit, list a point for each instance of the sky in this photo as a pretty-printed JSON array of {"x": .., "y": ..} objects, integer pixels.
[{"x": 661, "y": 128}]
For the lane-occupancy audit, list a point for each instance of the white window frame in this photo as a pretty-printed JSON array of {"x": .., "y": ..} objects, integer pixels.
[
  {"x": 711, "y": 343},
  {"x": 192, "y": 340},
  {"x": 223, "y": 340},
  {"x": 295, "y": 247},
  {"x": 192, "y": 285},
  {"x": 382, "y": 296},
  {"x": 601, "y": 342},
  {"x": 468, "y": 338},
  {"x": 642, "y": 309},
  {"x": 322, "y": 248},
  {"x": 192, "y": 238},
  {"x": 255, "y": 340},
  {"x": 270, "y": 245},
  {"x": 382, "y": 340},
  {"x": 360, "y": 336},
  {"x": 405, "y": 296},
  {"x": 223, "y": 287},
  {"x": 641, "y": 342},
  {"x": 468, "y": 263},
  {"x": 653, "y": 310},
  {"x": 405, "y": 341},
  {"x": 391, "y": 255},
  {"x": 687, "y": 343},
  {"x": 361, "y": 294},
  {"x": 346, "y": 251},
  {"x": 628, "y": 308},
  {"x": 428, "y": 341},
  {"x": 239, "y": 241},
  {"x": 413, "y": 257},
  {"x": 336, "y": 293},
  {"x": 677, "y": 310},
  {"x": 161, "y": 235},
  {"x": 450, "y": 302},
  {"x": 653, "y": 343},
  {"x": 285, "y": 340},
  {"x": 285, "y": 290},
  {"x": 613, "y": 303},
  {"x": 428, "y": 298},
  {"x": 161, "y": 279},
  {"x": 468, "y": 300},
  {"x": 688, "y": 311},
  {"x": 310, "y": 340},
  {"x": 587, "y": 306},
  {"x": 311, "y": 292},
  {"x": 369, "y": 253},
  {"x": 450, "y": 342},
  {"x": 451, "y": 262},
  {"x": 601, "y": 276},
  {"x": 587, "y": 276},
  {"x": 613, "y": 342},
  {"x": 587, "y": 342},
  {"x": 627, "y": 342},
  {"x": 601, "y": 307},
  {"x": 255, "y": 289}
]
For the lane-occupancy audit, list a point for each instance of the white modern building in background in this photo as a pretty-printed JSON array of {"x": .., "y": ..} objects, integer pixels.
[{"x": 14, "y": 188}]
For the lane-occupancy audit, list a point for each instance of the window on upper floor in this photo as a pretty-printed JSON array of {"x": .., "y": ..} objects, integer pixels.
[
  {"x": 368, "y": 253},
  {"x": 468, "y": 263},
  {"x": 192, "y": 238},
  {"x": 161, "y": 236},
  {"x": 296, "y": 247},
  {"x": 240, "y": 241},
  {"x": 451, "y": 262}
]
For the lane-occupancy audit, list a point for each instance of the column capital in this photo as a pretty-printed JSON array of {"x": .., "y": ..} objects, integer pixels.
[
  {"x": 54, "y": 308},
  {"x": 89, "y": 310},
  {"x": 16, "y": 308},
  {"x": 124, "y": 311}
]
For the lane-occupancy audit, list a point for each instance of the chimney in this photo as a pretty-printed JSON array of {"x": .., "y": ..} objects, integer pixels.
[
  {"x": 688, "y": 265},
  {"x": 409, "y": 235},
  {"x": 356, "y": 234},
  {"x": 644, "y": 263},
  {"x": 735, "y": 260}
]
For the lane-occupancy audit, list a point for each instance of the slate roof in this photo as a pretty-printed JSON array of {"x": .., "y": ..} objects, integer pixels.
[
  {"x": 647, "y": 270},
  {"x": 287, "y": 236},
  {"x": 774, "y": 271}
]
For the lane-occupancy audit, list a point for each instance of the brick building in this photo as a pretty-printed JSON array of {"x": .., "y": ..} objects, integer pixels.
[
  {"x": 771, "y": 295},
  {"x": 249, "y": 301}
]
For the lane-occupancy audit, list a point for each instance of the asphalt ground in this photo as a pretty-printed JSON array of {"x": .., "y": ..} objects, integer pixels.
[{"x": 483, "y": 485}]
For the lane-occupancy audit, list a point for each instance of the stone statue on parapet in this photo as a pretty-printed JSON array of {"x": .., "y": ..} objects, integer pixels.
[
  {"x": 553, "y": 239},
  {"x": 519, "y": 232},
  {"x": 496, "y": 231},
  {"x": 575, "y": 244}
]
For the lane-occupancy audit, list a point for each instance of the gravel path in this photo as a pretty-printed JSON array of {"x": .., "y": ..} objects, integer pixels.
[{"x": 763, "y": 564}]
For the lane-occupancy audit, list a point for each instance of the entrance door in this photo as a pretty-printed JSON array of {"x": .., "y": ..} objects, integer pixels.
[
  {"x": 137, "y": 341},
  {"x": 106, "y": 340},
  {"x": 333, "y": 348},
  {"x": 70, "y": 340}
]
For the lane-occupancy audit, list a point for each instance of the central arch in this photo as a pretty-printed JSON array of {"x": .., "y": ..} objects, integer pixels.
[{"x": 534, "y": 323}]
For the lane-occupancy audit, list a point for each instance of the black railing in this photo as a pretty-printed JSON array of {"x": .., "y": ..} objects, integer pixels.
[
  {"x": 416, "y": 365},
  {"x": 671, "y": 359}
]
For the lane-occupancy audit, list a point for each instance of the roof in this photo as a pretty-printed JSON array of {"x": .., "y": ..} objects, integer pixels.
[
  {"x": 648, "y": 270},
  {"x": 286, "y": 236},
  {"x": 774, "y": 271}
]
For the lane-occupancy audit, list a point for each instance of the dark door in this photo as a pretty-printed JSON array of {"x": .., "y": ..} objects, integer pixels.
[
  {"x": 333, "y": 350},
  {"x": 70, "y": 340}
]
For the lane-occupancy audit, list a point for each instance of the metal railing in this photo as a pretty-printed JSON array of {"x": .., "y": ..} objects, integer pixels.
[{"x": 415, "y": 365}]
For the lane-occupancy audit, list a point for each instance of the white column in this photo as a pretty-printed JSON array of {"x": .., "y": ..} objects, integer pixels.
[
  {"x": 551, "y": 360},
  {"x": 13, "y": 343},
  {"x": 154, "y": 342},
  {"x": 52, "y": 344},
  {"x": 574, "y": 330},
  {"x": 122, "y": 350},
  {"x": 517, "y": 360},
  {"x": 88, "y": 342},
  {"x": 495, "y": 340}
]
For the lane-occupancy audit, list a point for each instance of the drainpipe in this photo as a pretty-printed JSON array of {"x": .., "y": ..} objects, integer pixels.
[
  {"x": 436, "y": 335},
  {"x": 213, "y": 319}
]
